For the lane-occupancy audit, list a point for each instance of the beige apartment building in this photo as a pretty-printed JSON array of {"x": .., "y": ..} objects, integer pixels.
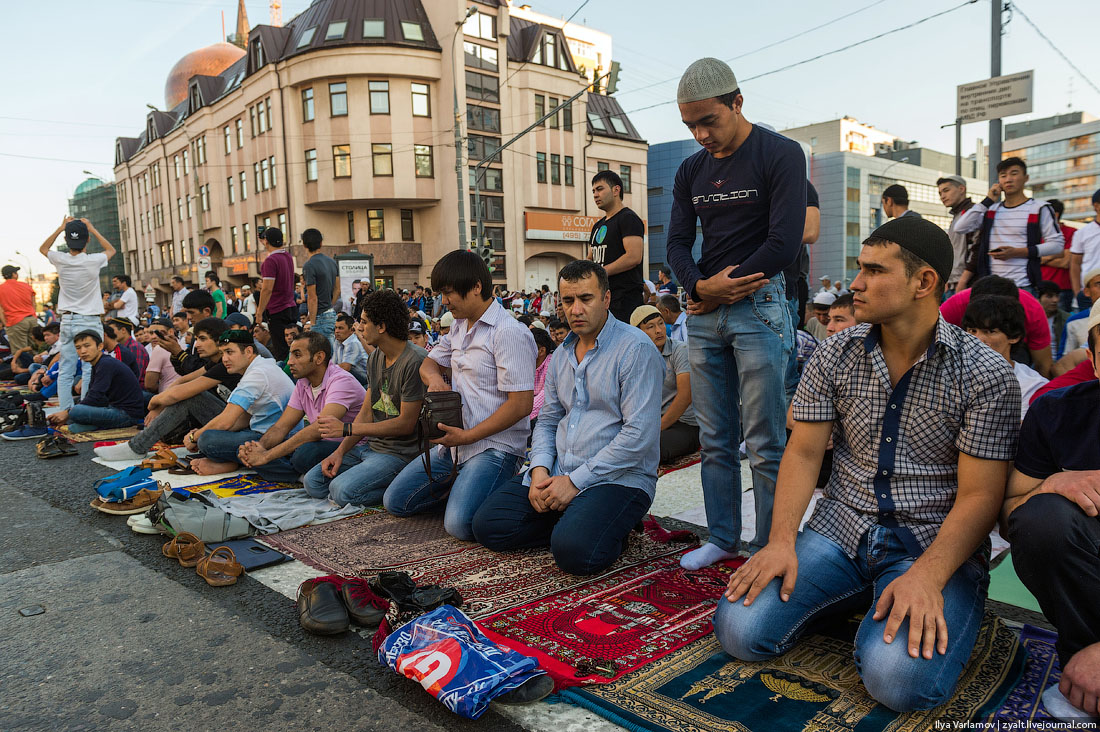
[{"x": 342, "y": 121}]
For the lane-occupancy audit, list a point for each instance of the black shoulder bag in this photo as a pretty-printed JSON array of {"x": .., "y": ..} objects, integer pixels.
[{"x": 439, "y": 406}]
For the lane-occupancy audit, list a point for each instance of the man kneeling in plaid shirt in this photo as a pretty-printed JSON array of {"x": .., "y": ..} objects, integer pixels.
[{"x": 924, "y": 420}]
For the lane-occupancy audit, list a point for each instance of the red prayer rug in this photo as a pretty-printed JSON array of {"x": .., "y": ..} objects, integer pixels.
[
  {"x": 613, "y": 624},
  {"x": 685, "y": 461}
]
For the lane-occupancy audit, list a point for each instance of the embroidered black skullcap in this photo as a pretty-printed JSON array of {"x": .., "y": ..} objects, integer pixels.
[{"x": 924, "y": 239}]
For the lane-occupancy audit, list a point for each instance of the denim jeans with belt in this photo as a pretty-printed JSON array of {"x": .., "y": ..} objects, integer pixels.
[
  {"x": 325, "y": 324},
  {"x": 71, "y": 325},
  {"x": 830, "y": 582},
  {"x": 413, "y": 492},
  {"x": 739, "y": 355}
]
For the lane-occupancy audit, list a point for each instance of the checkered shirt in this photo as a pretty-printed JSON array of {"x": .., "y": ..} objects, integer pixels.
[{"x": 896, "y": 448}]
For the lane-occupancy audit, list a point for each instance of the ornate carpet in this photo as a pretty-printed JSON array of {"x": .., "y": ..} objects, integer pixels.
[
  {"x": 119, "y": 433},
  {"x": 1041, "y": 671},
  {"x": 679, "y": 463},
  {"x": 615, "y": 623},
  {"x": 814, "y": 687}
]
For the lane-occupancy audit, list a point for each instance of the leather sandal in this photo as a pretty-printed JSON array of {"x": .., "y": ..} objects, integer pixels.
[
  {"x": 161, "y": 460},
  {"x": 186, "y": 547},
  {"x": 221, "y": 568}
]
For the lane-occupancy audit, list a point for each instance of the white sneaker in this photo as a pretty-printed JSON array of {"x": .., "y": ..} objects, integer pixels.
[{"x": 139, "y": 524}]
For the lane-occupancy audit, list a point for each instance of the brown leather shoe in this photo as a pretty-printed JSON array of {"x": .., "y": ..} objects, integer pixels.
[{"x": 320, "y": 609}]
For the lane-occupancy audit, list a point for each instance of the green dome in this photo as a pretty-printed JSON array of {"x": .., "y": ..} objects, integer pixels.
[{"x": 88, "y": 185}]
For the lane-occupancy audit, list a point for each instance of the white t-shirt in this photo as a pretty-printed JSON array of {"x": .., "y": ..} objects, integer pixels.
[
  {"x": 129, "y": 305},
  {"x": 78, "y": 280},
  {"x": 263, "y": 392},
  {"x": 1086, "y": 242},
  {"x": 1030, "y": 382}
]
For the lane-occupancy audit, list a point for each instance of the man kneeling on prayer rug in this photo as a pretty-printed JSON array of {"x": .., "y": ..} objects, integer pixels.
[
  {"x": 595, "y": 445},
  {"x": 924, "y": 419}
]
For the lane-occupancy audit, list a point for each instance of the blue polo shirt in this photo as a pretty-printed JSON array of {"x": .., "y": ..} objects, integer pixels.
[{"x": 1060, "y": 432}]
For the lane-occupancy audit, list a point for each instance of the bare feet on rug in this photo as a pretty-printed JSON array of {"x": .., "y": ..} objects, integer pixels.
[{"x": 206, "y": 466}]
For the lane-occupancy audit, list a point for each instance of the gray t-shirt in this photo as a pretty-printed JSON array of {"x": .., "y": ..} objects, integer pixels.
[
  {"x": 675, "y": 355},
  {"x": 391, "y": 386},
  {"x": 321, "y": 270}
]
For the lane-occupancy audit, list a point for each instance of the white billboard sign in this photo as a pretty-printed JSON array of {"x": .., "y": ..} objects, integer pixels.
[{"x": 1001, "y": 96}]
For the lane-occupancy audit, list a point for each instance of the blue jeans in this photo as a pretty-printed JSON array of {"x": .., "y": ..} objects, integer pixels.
[
  {"x": 326, "y": 326},
  {"x": 361, "y": 480},
  {"x": 586, "y": 538},
  {"x": 412, "y": 492},
  {"x": 790, "y": 376},
  {"x": 70, "y": 326},
  {"x": 290, "y": 468},
  {"x": 83, "y": 418},
  {"x": 830, "y": 582},
  {"x": 222, "y": 445},
  {"x": 739, "y": 354}
]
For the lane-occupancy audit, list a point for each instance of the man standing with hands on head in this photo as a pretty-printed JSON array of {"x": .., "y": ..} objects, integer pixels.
[
  {"x": 78, "y": 300},
  {"x": 747, "y": 188},
  {"x": 616, "y": 244},
  {"x": 277, "y": 291}
]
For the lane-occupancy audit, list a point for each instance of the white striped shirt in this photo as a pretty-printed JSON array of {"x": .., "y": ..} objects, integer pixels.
[
  {"x": 1086, "y": 242},
  {"x": 1010, "y": 230},
  {"x": 494, "y": 356}
]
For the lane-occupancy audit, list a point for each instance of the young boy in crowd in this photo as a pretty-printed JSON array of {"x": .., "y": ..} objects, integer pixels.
[
  {"x": 113, "y": 398},
  {"x": 998, "y": 322}
]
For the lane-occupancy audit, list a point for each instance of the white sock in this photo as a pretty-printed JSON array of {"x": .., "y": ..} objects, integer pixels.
[
  {"x": 121, "y": 451},
  {"x": 705, "y": 556}
]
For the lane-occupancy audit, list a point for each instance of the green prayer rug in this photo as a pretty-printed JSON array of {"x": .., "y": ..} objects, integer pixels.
[{"x": 1005, "y": 586}]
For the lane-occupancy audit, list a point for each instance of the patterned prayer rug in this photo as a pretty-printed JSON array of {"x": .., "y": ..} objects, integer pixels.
[
  {"x": 1042, "y": 670},
  {"x": 814, "y": 687},
  {"x": 119, "y": 433},
  {"x": 615, "y": 623},
  {"x": 679, "y": 463},
  {"x": 238, "y": 485}
]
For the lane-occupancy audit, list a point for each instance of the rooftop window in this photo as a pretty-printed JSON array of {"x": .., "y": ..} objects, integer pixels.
[
  {"x": 412, "y": 31},
  {"x": 337, "y": 29},
  {"x": 374, "y": 28},
  {"x": 617, "y": 123},
  {"x": 307, "y": 37},
  {"x": 596, "y": 121}
]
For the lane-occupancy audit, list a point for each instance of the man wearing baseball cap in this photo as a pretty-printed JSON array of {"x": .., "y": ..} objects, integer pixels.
[
  {"x": 952, "y": 190},
  {"x": 17, "y": 315},
  {"x": 277, "y": 305},
  {"x": 78, "y": 301},
  {"x": 924, "y": 420},
  {"x": 747, "y": 190}
]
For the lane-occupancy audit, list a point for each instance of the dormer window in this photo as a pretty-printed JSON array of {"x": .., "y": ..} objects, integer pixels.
[
  {"x": 257, "y": 54},
  {"x": 150, "y": 129},
  {"x": 196, "y": 98}
]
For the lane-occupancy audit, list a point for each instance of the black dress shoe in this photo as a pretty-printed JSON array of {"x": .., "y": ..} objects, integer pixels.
[
  {"x": 320, "y": 609},
  {"x": 532, "y": 690},
  {"x": 360, "y": 602}
]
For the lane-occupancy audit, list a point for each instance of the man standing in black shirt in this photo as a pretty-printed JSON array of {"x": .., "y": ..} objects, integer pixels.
[
  {"x": 616, "y": 244},
  {"x": 747, "y": 190}
]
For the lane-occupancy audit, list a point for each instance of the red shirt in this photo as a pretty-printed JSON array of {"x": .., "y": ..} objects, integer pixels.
[
  {"x": 1079, "y": 374},
  {"x": 1036, "y": 327},
  {"x": 17, "y": 300},
  {"x": 1057, "y": 275}
]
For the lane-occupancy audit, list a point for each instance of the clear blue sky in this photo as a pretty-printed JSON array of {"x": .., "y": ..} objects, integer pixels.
[{"x": 79, "y": 73}]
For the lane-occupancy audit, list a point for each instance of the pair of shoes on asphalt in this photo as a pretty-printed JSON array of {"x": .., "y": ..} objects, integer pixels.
[
  {"x": 219, "y": 569},
  {"x": 140, "y": 503},
  {"x": 329, "y": 605},
  {"x": 140, "y": 523},
  {"x": 30, "y": 424},
  {"x": 54, "y": 445}
]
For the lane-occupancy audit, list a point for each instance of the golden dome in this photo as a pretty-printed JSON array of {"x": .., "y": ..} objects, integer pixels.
[{"x": 209, "y": 61}]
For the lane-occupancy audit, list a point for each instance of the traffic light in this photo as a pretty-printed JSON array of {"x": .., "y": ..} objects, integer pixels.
[
  {"x": 613, "y": 78},
  {"x": 486, "y": 254}
]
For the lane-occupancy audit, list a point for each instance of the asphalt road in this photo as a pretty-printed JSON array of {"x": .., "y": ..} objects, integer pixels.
[{"x": 131, "y": 641}]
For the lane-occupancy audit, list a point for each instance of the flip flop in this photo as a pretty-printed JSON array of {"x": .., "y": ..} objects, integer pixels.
[
  {"x": 183, "y": 465},
  {"x": 221, "y": 568}
]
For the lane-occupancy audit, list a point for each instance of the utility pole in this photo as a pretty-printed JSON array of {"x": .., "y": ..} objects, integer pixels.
[
  {"x": 459, "y": 144},
  {"x": 995, "y": 132}
]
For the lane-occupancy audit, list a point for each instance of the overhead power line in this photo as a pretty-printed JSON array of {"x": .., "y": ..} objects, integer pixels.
[{"x": 1016, "y": 8}]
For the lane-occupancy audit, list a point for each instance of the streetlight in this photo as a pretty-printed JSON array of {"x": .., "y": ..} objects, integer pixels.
[
  {"x": 458, "y": 132},
  {"x": 957, "y": 124},
  {"x": 878, "y": 211},
  {"x": 30, "y": 265}
]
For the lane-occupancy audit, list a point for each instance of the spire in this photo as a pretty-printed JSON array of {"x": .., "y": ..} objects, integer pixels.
[{"x": 240, "y": 38}]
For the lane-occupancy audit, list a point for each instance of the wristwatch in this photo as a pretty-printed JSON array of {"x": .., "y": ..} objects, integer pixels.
[{"x": 347, "y": 429}]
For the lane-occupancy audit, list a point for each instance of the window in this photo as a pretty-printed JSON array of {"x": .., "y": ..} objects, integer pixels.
[
  {"x": 244, "y": 187},
  {"x": 256, "y": 180},
  {"x": 382, "y": 158},
  {"x": 252, "y": 118},
  {"x": 379, "y": 97},
  {"x": 478, "y": 147},
  {"x": 602, "y": 166},
  {"x": 567, "y": 117},
  {"x": 283, "y": 227},
  {"x": 341, "y": 161},
  {"x": 156, "y": 175},
  {"x": 624, "y": 173},
  {"x": 554, "y": 122},
  {"x": 492, "y": 208},
  {"x": 568, "y": 170},
  {"x": 618, "y": 124},
  {"x": 265, "y": 174},
  {"x": 480, "y": 57},
  {"x": 233, "y": 240},
  {"x": 422, "y": 155},
  {"x": 240, "y": 134},
  {"x": 596, "y": 121},
  {"x": 190, "y": 207},
  {"x": 351, "y": 227},
  {"x": 412, "y": 31},
  {"x": 307, "y": 37},
  {"x": 337, "y": 29},
  {"x": 481, "y": 87},
  {"x": 307, "y": 105},
  {"x": 540, "y": 106},
  {"x": 267, "y": 114},
  {"x": 374, "y": 28},
  {"x": 247, "y": 237},
  {"x": 485, "y": 119},
  {"x": 376, "y": 225},
  {"x": 176, "y": 163},
  {"x": 261, "y": 117},
  {"x": 481, "y": 25},
  {"x": 492, "y": 179},
  {"x": 228, "y": 140},
  {"x": 232, "y": 196},
  {"x": 200, "y": 150},
  {"x": 271, "y": 164},
  {"x": 338, "y": 99},
  {"x": 311, "y": 165},
  {"x": 407, "y": 224},
  {"x": 257, "y": 54},
  {"x": 555, "y": 169},
  {"x": 186, "y": 164},
  {"x": 540, "y": 167},
  {"x": 422, "y": 106}
]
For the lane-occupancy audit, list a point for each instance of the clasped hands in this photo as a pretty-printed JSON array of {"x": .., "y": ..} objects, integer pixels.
[
  {"x": 550, "y": 493},
  {"x": 724, "y": 289}
]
